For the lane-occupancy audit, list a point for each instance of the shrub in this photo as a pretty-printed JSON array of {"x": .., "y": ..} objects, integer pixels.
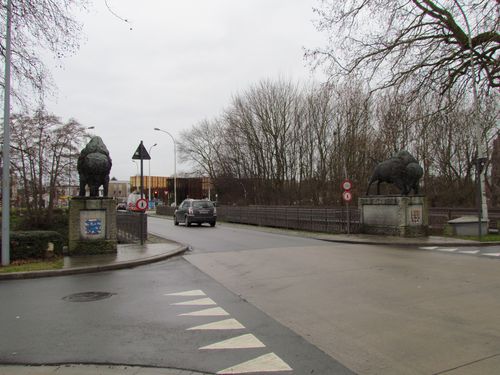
[
  {"x": 35, "y": 244},
  {"x": 21, "y": 220}
]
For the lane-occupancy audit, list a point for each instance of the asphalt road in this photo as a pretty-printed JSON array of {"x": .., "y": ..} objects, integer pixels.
[
  {"x": 285, "y": 304},
  {"x": 376, "y": 309},
  {"x": 158, "y": 315}
]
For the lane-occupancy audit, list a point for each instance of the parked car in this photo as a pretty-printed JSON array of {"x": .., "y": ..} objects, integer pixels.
[{"x": 197, "y": 211}]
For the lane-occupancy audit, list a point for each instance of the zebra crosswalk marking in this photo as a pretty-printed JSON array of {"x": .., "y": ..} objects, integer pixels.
[
  {"x": 247, "y": 341},
  {"x": 196, "y": 302},
  {"x": 188, "y": 293},
  {"x": 220, "y": 325},
  {"x": 215, "y": 311},
  {"x": 267, "y": 363}
]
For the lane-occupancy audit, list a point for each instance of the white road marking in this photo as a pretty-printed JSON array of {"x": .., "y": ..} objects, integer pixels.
[
  {"x": 469, "y": 251},
  {"x": 220, "y": 325},
  {"x": 215, "y": 311},
  {"x": 188, "y": 293},
  {"x": 266, "y": 363},
  {"x": 447, "y": 249},
  {"x": 196, "y": 302},
  {"x": 492, "y": 254},
  {"x": 429, "y": 248},
  {"x": 247, "y": 341}
]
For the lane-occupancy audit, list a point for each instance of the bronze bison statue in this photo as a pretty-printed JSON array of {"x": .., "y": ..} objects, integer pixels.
[
  {"x": 94, "y": 165},
  {"x": 401, "y": 170}
]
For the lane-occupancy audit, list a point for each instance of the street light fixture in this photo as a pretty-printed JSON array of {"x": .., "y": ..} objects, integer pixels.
[
  {"x": 6, "y": 139},
  {"x": 175, "y": 163},
  {"x": 149, "y": 167}
]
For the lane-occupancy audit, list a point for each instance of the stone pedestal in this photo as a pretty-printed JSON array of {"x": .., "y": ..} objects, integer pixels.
[
  {"x": 92, "y": 226},
  {"x": 405, "y": 216}
]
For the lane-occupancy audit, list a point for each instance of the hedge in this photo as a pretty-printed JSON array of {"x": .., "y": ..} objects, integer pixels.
[{"x": 35, "y": 244}]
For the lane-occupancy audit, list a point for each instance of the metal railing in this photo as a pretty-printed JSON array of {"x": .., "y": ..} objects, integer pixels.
[
  {"x": 328, "y": 219},
  {"x": 132, "y": 227},
  {"x": 315, "y": 219}
]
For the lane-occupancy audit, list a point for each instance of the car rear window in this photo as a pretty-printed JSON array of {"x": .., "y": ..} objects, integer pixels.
[{"x": 203, "y": 204}]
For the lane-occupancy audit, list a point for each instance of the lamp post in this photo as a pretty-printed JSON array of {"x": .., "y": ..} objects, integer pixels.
[
  {"x": 6, "y": 140},
  {"x": 149, "y": 171},
  {"x": 480, "y": 146},
  {"x": 136, "y": 175},
  {"x": 175, "y": 163}
]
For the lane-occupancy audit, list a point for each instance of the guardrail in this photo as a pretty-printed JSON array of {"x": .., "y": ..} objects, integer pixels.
[
  {"x": 132, "y": 227},
  {"x": 315, "y": 219},
  {"x": 329, "y": 219}
]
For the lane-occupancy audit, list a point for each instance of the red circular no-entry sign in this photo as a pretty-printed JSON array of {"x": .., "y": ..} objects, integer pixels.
[{"x": 141, "y": 204}]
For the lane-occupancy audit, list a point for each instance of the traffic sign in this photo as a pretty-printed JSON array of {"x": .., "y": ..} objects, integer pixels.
[
  {"x": 141, "y": 153},
  {"x": 347, "y": 184},
  {"x": 141, "y": 204},
  {"x": 347, "y": 196}
]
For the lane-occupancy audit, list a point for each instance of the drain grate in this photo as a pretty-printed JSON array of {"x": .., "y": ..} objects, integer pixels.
[{"x": 88, "y": 296}]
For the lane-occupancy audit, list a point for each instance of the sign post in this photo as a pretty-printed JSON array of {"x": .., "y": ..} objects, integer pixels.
[
  {"x": 141, "y": 154},
  {"x": 347, "y": 197}
]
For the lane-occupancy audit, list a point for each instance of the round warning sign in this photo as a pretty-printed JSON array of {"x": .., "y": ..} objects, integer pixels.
[
  {"x": 347, "y": 196},
  {"x": 347, "y": 184},
  {"x": 141, "y": 204}
]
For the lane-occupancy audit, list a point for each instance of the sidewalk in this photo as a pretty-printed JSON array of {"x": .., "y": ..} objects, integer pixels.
[
  {"x": 369, "y": 239},
  {"x": 79, "y": 369},
  {"x": 401, "y": 241},
  {"x": 130, "y": 255}
]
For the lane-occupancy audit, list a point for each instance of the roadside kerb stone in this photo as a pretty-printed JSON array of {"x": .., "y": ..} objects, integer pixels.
[
  {"x": 86, "y": 369},
  {"x": 95, "y": 268}
]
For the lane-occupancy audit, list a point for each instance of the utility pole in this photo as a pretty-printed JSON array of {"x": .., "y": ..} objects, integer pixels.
[
  {"x": 481, "y": 149},
  {"x": 6, "y": 144}
]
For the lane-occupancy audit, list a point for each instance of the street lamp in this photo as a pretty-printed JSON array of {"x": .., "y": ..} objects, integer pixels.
[
  {"x": 136, "y": 175},
  {"x": 149, "y": 167},
  {"x": 6, "y": 140},
  {"x": 175, "y": 163}
]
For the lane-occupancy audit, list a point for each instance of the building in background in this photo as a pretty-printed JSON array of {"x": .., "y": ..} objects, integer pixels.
[
  {"x": 119, "y": 190},
  {"x": 162, "y": 188}
]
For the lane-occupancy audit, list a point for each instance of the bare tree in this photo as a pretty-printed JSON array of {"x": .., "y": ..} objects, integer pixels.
[
  {"x": 47, "y": 24},
  {"x": 43, "y": 149},
  {"x": 201, "y": 146},
  {"x": 417, "y": 45}
]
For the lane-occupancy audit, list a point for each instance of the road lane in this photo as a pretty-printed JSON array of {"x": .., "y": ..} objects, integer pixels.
[
  {"x": 154, "y": 315},
  {"x": 226, "y": 237},
  {"x": 377, "y": 310}
]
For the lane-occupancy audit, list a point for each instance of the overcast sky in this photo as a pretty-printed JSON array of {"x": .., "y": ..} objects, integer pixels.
[{"x": 181, "y": 63}]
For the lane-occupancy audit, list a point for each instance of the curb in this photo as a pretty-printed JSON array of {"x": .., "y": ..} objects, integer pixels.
[
  {"x": 90, "y": 368},
  {"x": 408, "y": 244},
  {"x": 91, "y": 269}
]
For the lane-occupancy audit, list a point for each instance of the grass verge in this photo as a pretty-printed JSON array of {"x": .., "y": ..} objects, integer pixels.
[
  {"x": 484, "y": 238},
  {"x": 32, "y": 265}
]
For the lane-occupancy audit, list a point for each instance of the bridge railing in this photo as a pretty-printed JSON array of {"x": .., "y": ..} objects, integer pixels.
[
  {"x": 324, "y": 219},
  {"x": 131, "y": 226}
]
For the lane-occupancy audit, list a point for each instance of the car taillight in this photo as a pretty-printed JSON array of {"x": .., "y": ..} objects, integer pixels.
[{"x": 190, "y": 210}]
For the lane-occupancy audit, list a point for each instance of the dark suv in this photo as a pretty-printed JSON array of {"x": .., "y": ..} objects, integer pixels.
[{"x": 195, "y": 211}]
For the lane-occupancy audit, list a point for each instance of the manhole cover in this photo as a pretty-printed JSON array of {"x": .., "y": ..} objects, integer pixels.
[{"x": 88, "y": 296}]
